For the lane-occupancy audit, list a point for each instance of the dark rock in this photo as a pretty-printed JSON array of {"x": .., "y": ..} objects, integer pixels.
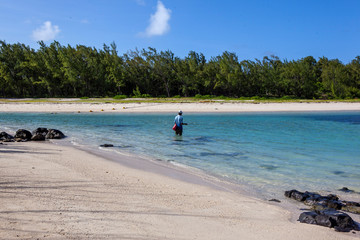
[
  {"x": 54, "y": 134},
  {"x": 326, "y": 213},
  {"x": 341, "y": 222},
  {"x": 22, "y": 135},
  {"x": 327, "y": 204},
  {"x": 38, "y": 137},
  {"x": 106, "y": 145},
  {"x": 288, "y": 193},
  {"x": 332, "y": 197},
  {"x": 349, "y": 203},
  {"x": 39, "y": 134},
  {"x": 324, "y": 220},
  {"x": 42, "y": 131},
  {"x": 5, "y": 137},
  {"x": 298, "y": 196},
  {"x": 312, "y": 199},
  {"x": 320, "y": 203},
  {"x": 353, "y": 207},
  {"x": 316, "y": 200},
  {"x": 319, "y": 207},
  {"x": 308, "y": 217},
  {"x": 334, "y": 204},
  {"x": 274, "y": 200},
  {"x": 346, "y": 190}
]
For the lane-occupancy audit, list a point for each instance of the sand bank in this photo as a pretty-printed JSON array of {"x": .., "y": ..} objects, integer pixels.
[
  {"x": 173, "y": 107},
  {"x": 57, "y": 192}
]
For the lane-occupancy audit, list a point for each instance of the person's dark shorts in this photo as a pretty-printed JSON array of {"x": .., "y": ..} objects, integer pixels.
[{"x": 178, "y": 131}]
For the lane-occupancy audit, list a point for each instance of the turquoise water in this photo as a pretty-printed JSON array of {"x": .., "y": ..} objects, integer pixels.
[{"x": 271, "y": 152}]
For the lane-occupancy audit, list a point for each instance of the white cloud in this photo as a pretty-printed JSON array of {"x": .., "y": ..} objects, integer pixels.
[
  {"x": 46, "y": 32},
  {"x": 159, "y": 22}
]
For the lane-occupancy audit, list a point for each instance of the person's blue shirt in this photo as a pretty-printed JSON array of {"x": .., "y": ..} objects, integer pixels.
[{"x": 178, "y": 120}]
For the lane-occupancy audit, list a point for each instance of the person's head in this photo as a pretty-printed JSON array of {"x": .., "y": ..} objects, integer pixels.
[{"x": 180, "y": 112}]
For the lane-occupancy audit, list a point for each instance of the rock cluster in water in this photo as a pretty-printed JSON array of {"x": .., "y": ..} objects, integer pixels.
[
  {"x": 326, "y": 210},
  {"x": 106, "y": 145},
  {"x": 39, "y": 134}
]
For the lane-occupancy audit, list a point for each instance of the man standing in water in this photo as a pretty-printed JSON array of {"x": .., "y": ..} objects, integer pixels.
[{"x": 179, "y": 123}]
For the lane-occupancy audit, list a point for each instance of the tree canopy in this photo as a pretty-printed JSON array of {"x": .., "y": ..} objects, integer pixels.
[{"x": 64, "y": 71}]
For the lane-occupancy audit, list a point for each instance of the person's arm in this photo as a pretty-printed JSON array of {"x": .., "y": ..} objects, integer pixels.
[{"x": 182, "y": 123}]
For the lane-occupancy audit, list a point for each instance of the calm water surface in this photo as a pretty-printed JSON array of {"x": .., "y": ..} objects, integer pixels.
[{"x": 271, "y": 152}]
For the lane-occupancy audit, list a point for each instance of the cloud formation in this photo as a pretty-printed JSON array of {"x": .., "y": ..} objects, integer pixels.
[
  {"x": 46, "y": 32},
  {"x": 159, "y": 22}
]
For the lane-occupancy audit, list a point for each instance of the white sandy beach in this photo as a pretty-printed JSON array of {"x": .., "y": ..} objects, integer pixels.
[
  {"x": 56, "y": 192},
  {"x": 50, "y": 191},
  {"x": 174, "y": 107}
]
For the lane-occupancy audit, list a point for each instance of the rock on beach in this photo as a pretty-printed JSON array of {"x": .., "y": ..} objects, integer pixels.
[
  {"x": 327, "y": 210},
  {"x": 39, "y": 134},
  {"x": 5, "y": 137},
  {"x": 22, "y": 135}
]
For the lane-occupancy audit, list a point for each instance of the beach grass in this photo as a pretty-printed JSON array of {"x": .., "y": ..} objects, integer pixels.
[{"x": 203, "y": 99}]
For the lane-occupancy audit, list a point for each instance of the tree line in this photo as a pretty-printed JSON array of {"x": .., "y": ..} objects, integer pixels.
[{"x": 64, "y": 71}]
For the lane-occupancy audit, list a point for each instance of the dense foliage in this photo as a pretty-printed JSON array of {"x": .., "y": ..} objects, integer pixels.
[{"x": 66, "y": 71}]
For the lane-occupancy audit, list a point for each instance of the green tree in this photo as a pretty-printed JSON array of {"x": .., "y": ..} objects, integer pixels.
[
  {"x": 18, "y": 70},
  {"x": 251, "y": 72},
  {"x": 138, "y": 73},
  {"x": 189, "y": 73},
  {"x": 353, "y": 83},
  {"x": 53, "y": 76},
  {"x": 114, "y": 72},
  {"x": 300, "y": 78},
  {"x": 229, "y": 77},
  {"x": 163, "y": 68},
  {"x": 334, "y": 76}
]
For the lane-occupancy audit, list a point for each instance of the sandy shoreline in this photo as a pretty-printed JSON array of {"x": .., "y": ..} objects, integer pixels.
[
  {"x": 50, "y": 191},
  {"x": 57, "y": 192},
  {"x": 173, "y": 107}
]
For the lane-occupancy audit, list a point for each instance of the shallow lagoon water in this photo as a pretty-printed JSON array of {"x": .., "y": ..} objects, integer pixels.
[{"x": 270, "y": 152}]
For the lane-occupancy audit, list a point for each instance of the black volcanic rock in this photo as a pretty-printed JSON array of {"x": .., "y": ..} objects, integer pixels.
[
  {"x": 39, "y": 134},
  {"x": 106, "y": 145},
  {"x": 5, "y": 137},
  {"x": 341, "y": 222},
  {"x": 346, "y": 190},
  {"x": 22, "y": 135},
  {"x": 326, "y": 210},
  {"x": 315, "y": 200},
  {"x": 54, "y": 134},
  {"x": 353, "y": 207}
]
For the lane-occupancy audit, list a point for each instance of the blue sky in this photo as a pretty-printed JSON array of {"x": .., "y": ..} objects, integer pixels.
[{"x": 251, "y": 29}]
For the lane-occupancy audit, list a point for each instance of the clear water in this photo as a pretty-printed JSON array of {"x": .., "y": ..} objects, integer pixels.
[{"x": 271, "y": 152}]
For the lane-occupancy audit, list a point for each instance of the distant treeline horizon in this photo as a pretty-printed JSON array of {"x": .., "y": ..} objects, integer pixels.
[{"x": 64, "y": 71}]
